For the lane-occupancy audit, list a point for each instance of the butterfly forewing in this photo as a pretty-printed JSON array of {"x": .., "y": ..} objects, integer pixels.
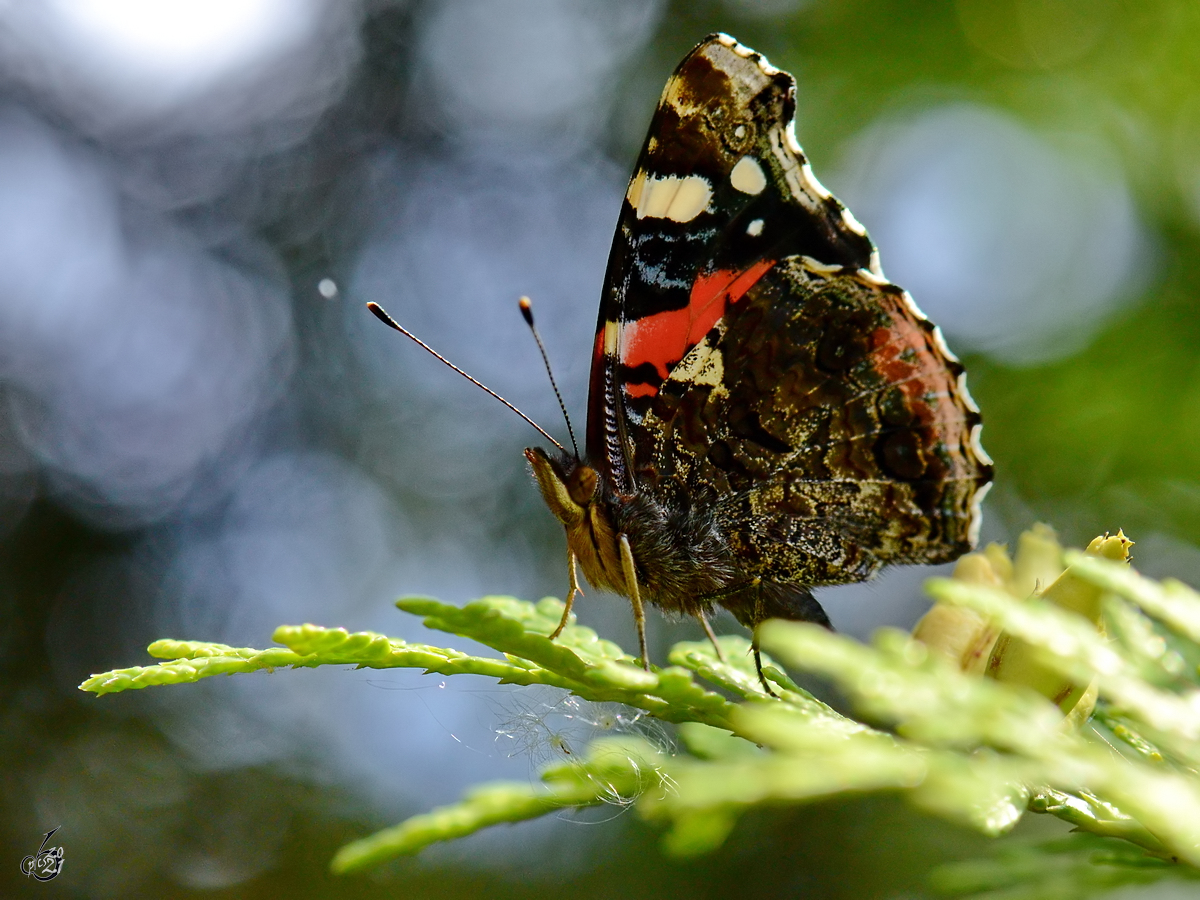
[{"x": 721, "y": 192}]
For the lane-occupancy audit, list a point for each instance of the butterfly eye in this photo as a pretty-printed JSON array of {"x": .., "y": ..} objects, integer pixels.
[{"x": 582, "y": 485}]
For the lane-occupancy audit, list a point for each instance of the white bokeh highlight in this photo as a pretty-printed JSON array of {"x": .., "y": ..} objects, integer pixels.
[
  {"x": 140, "y": 70},
  {"x": 198, "y": 37},
  {"x": 135, "y": 357}
]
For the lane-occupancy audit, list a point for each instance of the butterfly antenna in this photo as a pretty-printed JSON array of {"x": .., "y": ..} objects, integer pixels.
[
  {"x": 527, "y": 313},
  {"x": 387, "y": 320}
]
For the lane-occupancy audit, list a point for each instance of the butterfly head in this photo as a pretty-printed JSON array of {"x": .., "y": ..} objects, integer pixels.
[
  {"x": 568, "y": 484},
  {"x": 576, "y": 495}
]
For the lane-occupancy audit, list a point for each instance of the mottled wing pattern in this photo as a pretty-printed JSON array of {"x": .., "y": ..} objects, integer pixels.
[
  {"x": 829, "y": 427},
  {"x": 750, "y": 355},
  {"x": 721, "y": 192}
]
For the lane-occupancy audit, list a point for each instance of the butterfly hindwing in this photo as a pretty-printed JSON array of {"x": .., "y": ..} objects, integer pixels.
[{"x": 827, "y": 426}]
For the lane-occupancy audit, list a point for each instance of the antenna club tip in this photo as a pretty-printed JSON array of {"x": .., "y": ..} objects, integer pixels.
[
  {"x": 526, "y": 310},
  {"x": 381, "y": 315}
]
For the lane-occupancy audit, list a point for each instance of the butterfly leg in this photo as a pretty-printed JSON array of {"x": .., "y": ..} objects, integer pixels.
[
  {"x": 574, "y": 576},
  {"x": 758, "y": 617},
  {"x": 635, "y": 598},
  {"x": 762, "y": 679},
  {"x": 712, "y": 637}
]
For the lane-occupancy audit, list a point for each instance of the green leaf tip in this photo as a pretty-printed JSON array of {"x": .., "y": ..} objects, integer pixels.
[
  {"x": 191, "y": 668},
  {"x": 614, "y": 770},
  {"x": 485, "y": 806}
]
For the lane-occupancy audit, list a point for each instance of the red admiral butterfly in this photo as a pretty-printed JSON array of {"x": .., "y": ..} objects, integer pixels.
[{"x": 767, "y": 413}]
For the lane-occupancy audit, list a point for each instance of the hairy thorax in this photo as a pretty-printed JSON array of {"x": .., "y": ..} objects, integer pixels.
[{"x": 682, "y": 562}]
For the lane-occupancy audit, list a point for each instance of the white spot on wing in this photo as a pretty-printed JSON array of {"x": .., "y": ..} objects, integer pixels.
[
  {"x": 967, "y": 399},
  {"x": 977, "y": 514},
  {"x": 913, "y": 308},
  {"x": 679, "y": 198},
  {"x": 691, "y": 199},
  {"x": 754, "y": 229},
  {"x": 789, "y": 134},
  {"x": 939, "y": 341},
  {"x": 745, "y": 52},
  {"x": 977, "y": 445},
  {"x": 737, "y": 47},
  {"x": 739, "y": 132},
  {"x": 866, "y": 276},
  {"x": 747, "y": 176},
  {"x": 814, "y": 265},
  {"x": 634, "y": 192},
  {"x": 852, "y": 223},
  {"x": 810, "y": 179}
]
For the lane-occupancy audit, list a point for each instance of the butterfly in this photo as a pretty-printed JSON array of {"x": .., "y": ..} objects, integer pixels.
[{"x": 767, "y": 413}]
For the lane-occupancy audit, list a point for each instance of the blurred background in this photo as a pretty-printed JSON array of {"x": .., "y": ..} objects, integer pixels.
[{"x": 203, "y": 433}]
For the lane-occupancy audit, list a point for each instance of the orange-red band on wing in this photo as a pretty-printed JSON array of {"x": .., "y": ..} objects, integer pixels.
[
  {"x": 904, "y": 357},
  {"x": 665, "y": 338}
]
